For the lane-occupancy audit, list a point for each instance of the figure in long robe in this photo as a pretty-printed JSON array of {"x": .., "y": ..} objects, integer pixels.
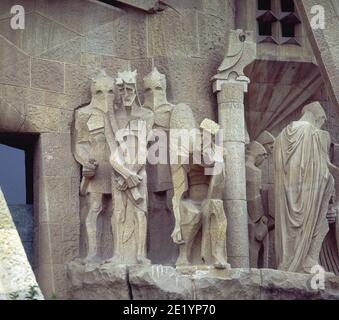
[{"x": 303, "y": 187}]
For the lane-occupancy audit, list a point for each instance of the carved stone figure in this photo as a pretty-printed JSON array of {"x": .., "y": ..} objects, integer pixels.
[
  {"x": 266, "y": 139},
  {"x": 257, "y": 220},
  {"x": 92, "y": 151},
  {"x": 160, "y": 186},
  {"x": 182, "y": 118},
  {"x": 129, "y": 125},
  {"x": 198, "y": 204},
  {"x": 214, "y": 223},
  {"x": 329, "y": 254},
  {"x": 303, "y": 187},
  {"x": 155, "y": 99}
]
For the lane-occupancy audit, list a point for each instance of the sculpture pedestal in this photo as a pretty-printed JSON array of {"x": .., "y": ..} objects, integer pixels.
[{"x": 159, "y": 282}]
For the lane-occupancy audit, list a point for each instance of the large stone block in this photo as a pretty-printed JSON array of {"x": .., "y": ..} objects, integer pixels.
[
  {"x": 77, "y": 15},
  {"x": 159, "y": 282},
  {"x": 99, "y": 40},
  {"x": 14, "y": 65},
  {"x": 77, "y": 81},
  {"x": 42, "y": 119},
  {"x": 280, "y": 285},
  {"x": 171, "y": 33},
  {"x": 54, "y": 199},
  {"x": 50, "y": 244},
  {"x": 39, "y": 35},
  {"x": 234, "y": 284},
  {"x": 121, "y": 30},
  {"x": 15, "y": 96},
  {"x": 212, "y": 33},
  {"x": 60, "y": 100},
  {"x": 57, "y": 159},
  {"x": 113, "y": 65},
  {"x": 138, "y": 35},
  {"x": 94, "y": 282},
  {"x": 53, "y": 281},
  {"x": 71, "y": 240},
  {"x": 180, "y": 79},
  {"x": 69, "y": 51},
  {"x": 11, "y": 119},
  {"x": 185, "y": 4},
  {"x": 47, "y": 75}
]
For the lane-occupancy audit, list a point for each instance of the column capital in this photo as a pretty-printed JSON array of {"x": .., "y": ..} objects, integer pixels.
[
  {"x": 218, "y": 84},
  {"x": 241, "y": 52}
]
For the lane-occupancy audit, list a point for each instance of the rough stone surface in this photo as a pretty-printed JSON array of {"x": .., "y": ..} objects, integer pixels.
[
  {"x": 22, "y": 216},
  {"x": 193, "y": 283},
  {"x": 45, "y": 73},
  {"x": 105, "y": 282},
  {"x": 16, "y": 275}
]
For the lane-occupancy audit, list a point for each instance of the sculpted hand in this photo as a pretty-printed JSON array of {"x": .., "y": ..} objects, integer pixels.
[
  {"x": 332, "y": 214},
  {"x": 133, "y": 180},
  {"x": 88, "y": 170},
  {"x": 177, "y": 235}
]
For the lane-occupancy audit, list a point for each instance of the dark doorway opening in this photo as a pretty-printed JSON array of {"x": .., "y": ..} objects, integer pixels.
[{"x": 16, "y": 181}]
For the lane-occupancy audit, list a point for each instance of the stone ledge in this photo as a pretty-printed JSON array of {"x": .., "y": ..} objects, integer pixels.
[{"x": 137, "y": 282}]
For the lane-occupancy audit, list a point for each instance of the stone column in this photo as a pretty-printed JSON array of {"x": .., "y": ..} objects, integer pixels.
[{"x": 230, "y": 84}]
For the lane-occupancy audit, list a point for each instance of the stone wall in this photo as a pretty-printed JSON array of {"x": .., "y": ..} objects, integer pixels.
[{"x": 44, "y": 74}]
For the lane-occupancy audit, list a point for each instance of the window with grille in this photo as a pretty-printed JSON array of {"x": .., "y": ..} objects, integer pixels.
[{"x": 278, "y": 22}]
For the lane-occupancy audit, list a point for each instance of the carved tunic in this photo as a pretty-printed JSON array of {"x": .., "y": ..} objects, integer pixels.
[
  {"x": 101, "y": 183},
  {"x": 91, "y": 144}
]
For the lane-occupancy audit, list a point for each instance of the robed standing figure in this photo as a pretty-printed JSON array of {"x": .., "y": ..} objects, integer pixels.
[{"x": 303, "y": 187}]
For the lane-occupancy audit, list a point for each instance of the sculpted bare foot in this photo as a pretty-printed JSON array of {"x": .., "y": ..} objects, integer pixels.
[
  {"x": 91, "y": 259},
  {"x": 143, "y": 260},
  {"x": 116, "y": 259}
]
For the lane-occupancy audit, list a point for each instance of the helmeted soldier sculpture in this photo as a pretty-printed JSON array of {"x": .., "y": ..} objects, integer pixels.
[{"x": 92, "y": 151}]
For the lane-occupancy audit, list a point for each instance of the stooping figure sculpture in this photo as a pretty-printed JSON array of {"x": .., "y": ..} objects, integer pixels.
[{"x": 197, "y": 200}]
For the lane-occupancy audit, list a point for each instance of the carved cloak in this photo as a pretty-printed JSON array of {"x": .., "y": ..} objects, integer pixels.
[{"x": 303, "y": 187}]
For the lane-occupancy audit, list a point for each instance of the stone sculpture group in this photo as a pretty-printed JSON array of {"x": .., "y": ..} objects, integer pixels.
[
  {"x": 107, "y": 145},
  {"x": 113, "y": 176},
  {"x": 113, "y": 136}
]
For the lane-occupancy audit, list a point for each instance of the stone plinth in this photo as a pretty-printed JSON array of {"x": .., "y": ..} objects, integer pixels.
[{"x": 158, "y": 282}]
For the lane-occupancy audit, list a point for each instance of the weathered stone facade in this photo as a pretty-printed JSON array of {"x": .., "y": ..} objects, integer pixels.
[{"x": 46, "y": 71}]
